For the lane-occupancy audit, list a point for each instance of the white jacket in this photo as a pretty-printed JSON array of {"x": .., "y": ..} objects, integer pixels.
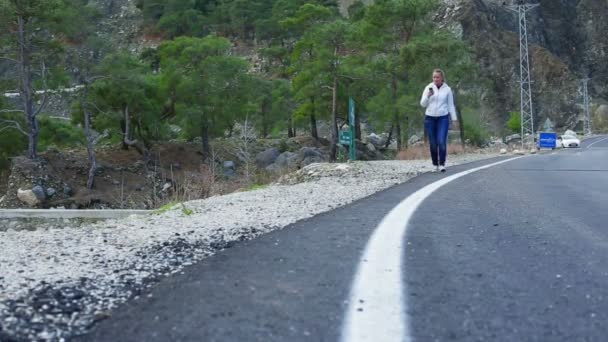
[{"x": 441, "y": 103}]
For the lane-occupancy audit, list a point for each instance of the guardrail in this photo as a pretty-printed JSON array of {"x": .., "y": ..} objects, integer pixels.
[{"x": 70, "y": 213}]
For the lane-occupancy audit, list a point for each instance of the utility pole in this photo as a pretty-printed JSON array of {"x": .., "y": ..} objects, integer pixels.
[
  {"x": 527, "y": 113},
  {"x": 588, "y": 123}
]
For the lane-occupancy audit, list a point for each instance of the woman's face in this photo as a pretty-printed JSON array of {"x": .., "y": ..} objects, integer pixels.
[{"x": 437, "y": 79}]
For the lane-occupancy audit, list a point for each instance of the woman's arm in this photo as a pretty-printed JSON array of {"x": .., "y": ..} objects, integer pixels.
[
  {"x": 424, "y": 101},
  {"x": 451, "y": 106}
]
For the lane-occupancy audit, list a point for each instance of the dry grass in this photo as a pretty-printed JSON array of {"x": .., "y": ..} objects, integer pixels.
[
  {"x": 189, "y": 185},
  {"x": 421, "y": 152}
]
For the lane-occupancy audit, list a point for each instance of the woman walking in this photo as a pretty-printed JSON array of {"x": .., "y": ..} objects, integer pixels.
[{"x": 438, "y": 100}]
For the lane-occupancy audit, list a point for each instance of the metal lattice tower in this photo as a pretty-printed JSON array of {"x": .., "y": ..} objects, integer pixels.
[
  {"x": 527, "y": 113},
  {"x": 588, "y": 126}
]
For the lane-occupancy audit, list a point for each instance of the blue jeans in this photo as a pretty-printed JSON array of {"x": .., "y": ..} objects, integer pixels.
[{"x": 437, "y": 131}]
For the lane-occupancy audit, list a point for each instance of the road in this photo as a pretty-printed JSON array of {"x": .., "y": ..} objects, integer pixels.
[{"x": 514, "y": 251}]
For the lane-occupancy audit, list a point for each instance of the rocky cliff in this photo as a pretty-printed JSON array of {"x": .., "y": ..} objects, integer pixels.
[{"x": 567, "y": 43}]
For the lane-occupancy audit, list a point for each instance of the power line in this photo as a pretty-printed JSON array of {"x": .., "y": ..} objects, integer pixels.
[{"x": 527, "y": 112}]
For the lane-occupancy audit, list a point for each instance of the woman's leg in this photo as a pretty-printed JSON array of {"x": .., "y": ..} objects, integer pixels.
[
  {"x": 430, "y": 125},
  {"x": 443, "y": 124}
]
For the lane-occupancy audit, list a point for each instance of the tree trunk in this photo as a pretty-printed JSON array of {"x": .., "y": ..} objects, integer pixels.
[
  {"x": 205, "y": 140},
  {"x": 144, "y": 146},
  {"x": 90, "y": 143},
  {"x": 398, "y": 133},
  {"x": 407, "y": 132},
  {"x": 460, "y": 123},
  {"x": 390, "y": 137},
  {"x": 334, "y": 120},
  {"x": 396, "y": 112},
  {"x": 126, "y": 129},
  {"x": 291, "y": 133},
  {"x": 265, "y": 122},
  {"x": 313, "y": 120},
  {"x": 26, "y": 90}
]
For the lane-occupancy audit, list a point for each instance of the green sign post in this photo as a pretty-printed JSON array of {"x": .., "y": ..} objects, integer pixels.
[
  {"x": 351, "y": 123},
  {"x": 345, "y": 138}
]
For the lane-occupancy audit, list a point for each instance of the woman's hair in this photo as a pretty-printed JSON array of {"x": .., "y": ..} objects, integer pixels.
[{"x": 439, "y": 71}]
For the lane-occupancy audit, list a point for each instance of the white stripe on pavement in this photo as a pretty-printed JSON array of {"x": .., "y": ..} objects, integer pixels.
[
  {"x": 377, "y": 306},
  {"x": 595, "y": 142}
]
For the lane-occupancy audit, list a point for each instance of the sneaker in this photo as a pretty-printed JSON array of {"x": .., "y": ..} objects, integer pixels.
[
  {"x": 435, "y": 168},
  {"x": 442, "y": 168}
]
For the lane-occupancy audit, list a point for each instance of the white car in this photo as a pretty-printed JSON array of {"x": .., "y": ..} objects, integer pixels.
[{"x": 569, "y": 141}]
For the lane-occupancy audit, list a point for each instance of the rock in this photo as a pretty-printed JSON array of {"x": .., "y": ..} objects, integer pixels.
[
  {"x": 229, "y": 173},
  {"x": 533, "y": 151},
  {"x": 39, "y": 192},
  {"x": 140, "y": 164},
  {"x": 287, "y": 160},
  {"x": 512, "y": 138},
  {"x": 570, "y": 133},
  {"x": 263, "y": 159},
  {"x": 503, "y": 151},
  {"x": 115, "y": 182},
  {"x": 229, "y": 165},
  {"x": 28, "y": 197},
  {"x": 311, "y": 160},
  {"x": 374, "y": 139},
  {"x": 67, "y": 190},
  {"x": 166, "y": 187},
  {"x": 371, "y": 147},
  {"x": 518, "y": 152},
  {"x": 310, "y": 152},
  {"x": 414, "y": 139},
  {"x": 51, "y": 192}
]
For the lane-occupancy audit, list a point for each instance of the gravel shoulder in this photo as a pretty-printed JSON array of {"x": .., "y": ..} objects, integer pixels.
[{"x": 57, "y": 282}]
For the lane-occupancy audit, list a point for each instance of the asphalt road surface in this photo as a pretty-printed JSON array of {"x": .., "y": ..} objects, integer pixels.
[{"x": 514, "y": 251}]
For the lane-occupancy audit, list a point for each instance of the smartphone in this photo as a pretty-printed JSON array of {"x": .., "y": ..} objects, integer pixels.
[{"x": 431, "y": 91}]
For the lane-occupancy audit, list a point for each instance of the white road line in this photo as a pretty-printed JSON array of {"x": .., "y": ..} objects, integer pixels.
[
  {"x": 597, "y": 142},
  {"x": 377, "y": 306}
]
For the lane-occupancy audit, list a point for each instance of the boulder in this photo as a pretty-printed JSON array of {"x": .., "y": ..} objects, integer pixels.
[
  {"x": 512, "y": 138},
  {"x": 39, "y": 192},
  {"x": 374, "y": 139},
  {"x": 287, "y": 160},
  {"x": 371, "y": 147},
  {"x": 306, "y": 152},
  {"x": 67, "y": 190},
  {"x": 229, "y": 165},
  {"x": 51, "y": 192},
  {"x": 265, "y": 158},
  {"x": 311, "y": 160},
  {"x": 518, "y": 152},
  {"x": 28, "y": 197},
  {"x": 414, "y": 139},
  {"x": 503, "y": 151}
]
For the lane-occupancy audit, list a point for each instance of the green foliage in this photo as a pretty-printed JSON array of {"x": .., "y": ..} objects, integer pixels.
[
  {"x": 254, "y": 187},
  {"x": 211, "y": 88},
  {"x": 12, "y": 142},
  {"x": 165, "y": 208},
  {"x": 185, "y": 210},
  {"x": 56, "y": 132},
  {"x": 382, "y": 55},
  {"x": 514, "y": 123},
  {"x": 474, "y": 130},
  {"x": 475, "y": 134},
  {"x": 128, "y": 89}
]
